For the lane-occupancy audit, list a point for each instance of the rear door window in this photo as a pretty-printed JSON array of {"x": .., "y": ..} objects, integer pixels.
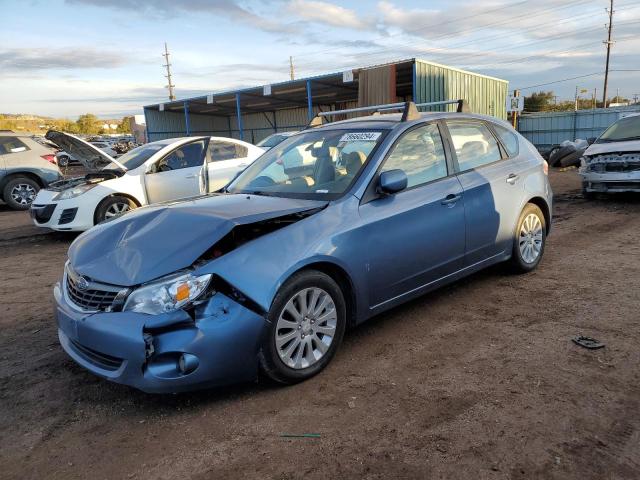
[
  {"x": 220, "y": 150},
  {"x": 12, "y": 145},
  {"x": 474, "y": 144}
]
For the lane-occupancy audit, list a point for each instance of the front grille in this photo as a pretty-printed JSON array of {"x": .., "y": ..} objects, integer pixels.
[
  {"x": 67, "y": 215},
  {"x": 94, "y": 297},
  {"x": 42, "y": 213},
  {"x": 101, "y": 360}
]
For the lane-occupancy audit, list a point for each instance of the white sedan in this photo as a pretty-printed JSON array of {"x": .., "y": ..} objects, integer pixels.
[{"x": 160, "y": 171}]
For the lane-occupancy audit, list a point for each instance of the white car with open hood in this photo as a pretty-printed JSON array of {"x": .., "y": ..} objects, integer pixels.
[{"x": 160, "y": 171}]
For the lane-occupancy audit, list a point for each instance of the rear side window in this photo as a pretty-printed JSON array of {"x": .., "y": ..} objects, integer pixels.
[
  {"x": 420, "y": 154},
  {"x": 11, "y": 145},
  {"x": 219, "y": 150},
  {"x": 475, "y": 145},
  {"x": 508, "y": 139}
]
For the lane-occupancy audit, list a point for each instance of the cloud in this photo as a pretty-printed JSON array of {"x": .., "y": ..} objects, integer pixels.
[
  {"x": 227, "y": 8},
  {"x": 330, "y": 14},
  {"x": 33, "y": 59}
]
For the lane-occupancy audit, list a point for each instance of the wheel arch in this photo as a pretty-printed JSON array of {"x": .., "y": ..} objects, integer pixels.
[
  {"x": 111, "y": 195},
  {"x": 344, "y": 281},
  {"x": 542, "y": 204},
  {"x": 7, "y": 178}
]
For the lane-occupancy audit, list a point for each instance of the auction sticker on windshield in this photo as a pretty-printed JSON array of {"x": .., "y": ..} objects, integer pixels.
[{"x": 360, "y": 137}]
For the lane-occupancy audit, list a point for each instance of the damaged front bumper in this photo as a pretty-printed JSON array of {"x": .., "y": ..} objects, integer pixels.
[
  {"x": 165, "y": 353},
  {"x": 611, "y": 173}
]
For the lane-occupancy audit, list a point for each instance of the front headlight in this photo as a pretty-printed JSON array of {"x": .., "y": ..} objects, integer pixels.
[
  {"x": 74, "y": 191},
  {"x": 167, "y": 294}
]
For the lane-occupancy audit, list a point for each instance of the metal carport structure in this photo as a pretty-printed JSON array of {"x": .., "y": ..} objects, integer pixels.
[{"x": 254, "y": 113}]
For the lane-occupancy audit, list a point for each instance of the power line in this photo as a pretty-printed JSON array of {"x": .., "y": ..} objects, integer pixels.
[{"x": 577, "y": 78}]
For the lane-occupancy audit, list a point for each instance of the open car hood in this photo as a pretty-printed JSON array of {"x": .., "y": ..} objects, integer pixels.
[
  {"x": 90, "y": 156},
  {"x": 613, "y": 147},
  {"x": 151, "y": 242}
]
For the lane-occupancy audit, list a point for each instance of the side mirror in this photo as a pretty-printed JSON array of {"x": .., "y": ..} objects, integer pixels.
[
  {"x": 392, "y": 181},
  {"x": 591, "y": 140}
]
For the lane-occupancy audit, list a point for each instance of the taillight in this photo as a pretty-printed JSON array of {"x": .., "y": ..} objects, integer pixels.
[
  {"x": 49, "y": 157},
  {"x": 545, "y": 167}
]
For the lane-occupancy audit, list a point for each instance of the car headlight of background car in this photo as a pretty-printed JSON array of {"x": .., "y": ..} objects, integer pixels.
[
  {"x": 74, "y": 191},
  {"x": 167, "y": 294}
]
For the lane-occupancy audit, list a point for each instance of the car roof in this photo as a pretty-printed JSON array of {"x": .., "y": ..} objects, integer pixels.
[{"x": 389, "y": 121}]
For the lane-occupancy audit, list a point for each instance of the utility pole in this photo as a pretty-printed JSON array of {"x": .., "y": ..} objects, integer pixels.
[
  {"x": 595, "y": 95},
  {"x": 608, "y": 43},
  {"x": 575, "y": 108},
  {"x": 291, "y": 72},
  {"x": 635, "y": 97},
  {"x": 170, "y": 85}
]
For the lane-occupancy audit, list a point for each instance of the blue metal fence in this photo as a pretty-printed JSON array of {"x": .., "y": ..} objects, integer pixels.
[{"x": 545, "y": 129}]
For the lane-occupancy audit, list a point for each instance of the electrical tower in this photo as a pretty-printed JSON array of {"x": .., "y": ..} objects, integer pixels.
[
  {"x": 170, "y": 85},
  {"x": 608, "y": 43}
]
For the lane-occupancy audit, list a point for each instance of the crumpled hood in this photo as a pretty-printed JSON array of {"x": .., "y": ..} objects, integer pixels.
[
  {"x": 155, "y": 241},
  {"x": 613, "y": 147}
]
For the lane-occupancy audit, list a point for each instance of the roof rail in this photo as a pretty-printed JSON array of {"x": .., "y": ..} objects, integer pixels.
[{"x": 409, "y": 110}]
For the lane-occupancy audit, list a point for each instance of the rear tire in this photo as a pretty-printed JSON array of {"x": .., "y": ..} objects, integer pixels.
[
  {"x": 20, "y": 192},
  {"x": 529, "y": 240},
  {"x": 113, "y": 207},
  {"x": 307, "y": 321}
]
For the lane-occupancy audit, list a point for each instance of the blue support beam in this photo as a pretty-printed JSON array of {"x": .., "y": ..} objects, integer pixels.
[
  {"x": 187, "y": 122},
  {"x": 239, "y": 116},
  {"x": 414, "y": 87},
  {"x": 146, "y": 125},
  {"x": 309, "y": 102}
]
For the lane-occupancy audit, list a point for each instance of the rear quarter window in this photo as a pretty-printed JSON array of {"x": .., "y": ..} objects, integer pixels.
[{"x": 508, "y": 138}]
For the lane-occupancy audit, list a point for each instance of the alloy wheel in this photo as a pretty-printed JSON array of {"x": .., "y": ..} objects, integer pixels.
[
  {"x": 116, "y": 209},
  {"x": 305, "y": 328},
  {"x": 530, "y": 238},
  {"x": 23, "y": 194}
]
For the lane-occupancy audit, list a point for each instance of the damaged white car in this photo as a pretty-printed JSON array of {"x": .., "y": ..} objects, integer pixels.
[
  {"x": 612, "y": 163},
  {"x": 161, "y": 171}
]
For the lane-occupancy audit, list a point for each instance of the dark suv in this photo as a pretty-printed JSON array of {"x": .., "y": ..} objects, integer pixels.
[{"x": 25, "y": 167}]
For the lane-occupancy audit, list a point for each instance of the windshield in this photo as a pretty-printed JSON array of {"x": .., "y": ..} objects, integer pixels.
[
  {"x": 271, "y": 140},
  {"x": 627, "y": 128},
  {"x": 136, "y": 157},
  {"x": 316, "y": 165}
]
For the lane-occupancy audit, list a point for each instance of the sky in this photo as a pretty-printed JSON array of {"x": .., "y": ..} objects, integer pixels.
[{"x": 63, "y": 58}]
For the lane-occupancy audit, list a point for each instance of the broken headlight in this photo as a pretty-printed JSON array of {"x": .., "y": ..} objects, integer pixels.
[{"x": 167, "y": 294}]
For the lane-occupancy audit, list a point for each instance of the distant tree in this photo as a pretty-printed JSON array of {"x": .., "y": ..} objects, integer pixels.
[
  {"x": 88, "y": 124},
  {"x": 539, "y": 102},
  {"x": 124, "y": 126}
]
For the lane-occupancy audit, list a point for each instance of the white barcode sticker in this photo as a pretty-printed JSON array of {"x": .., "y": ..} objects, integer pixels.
[{"x": 360, "y": 137}]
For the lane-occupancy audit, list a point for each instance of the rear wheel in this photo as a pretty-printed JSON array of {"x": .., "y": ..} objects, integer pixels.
[
  {"x": 530, "y": 239},
  {"x": 20, "y": 192},
  {"x": 113, "y": 207},
  {"x": 307, "y": 321}
]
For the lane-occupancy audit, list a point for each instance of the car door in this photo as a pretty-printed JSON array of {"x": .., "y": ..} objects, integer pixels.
[
  {"x": 175, "y": 175},
  {"x": 225, "y": 158},
  {"x": 416, "y": 236},
  {"x": 492, "y": 189}
]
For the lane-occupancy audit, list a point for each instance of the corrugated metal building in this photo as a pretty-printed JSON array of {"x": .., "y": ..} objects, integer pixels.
[
  {"x": 254, "y": 113},
  {"x": 545, "y": 129}
]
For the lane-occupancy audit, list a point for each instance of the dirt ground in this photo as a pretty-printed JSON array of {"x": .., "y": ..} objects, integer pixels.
[{"x": 479, "y": 380}]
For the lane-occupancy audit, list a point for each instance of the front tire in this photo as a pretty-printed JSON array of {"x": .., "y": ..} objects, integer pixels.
[
  {"x": 307, "y": 321},
  {"x": 529, "y": 239},
  {"x": 113, "y": 207},
  {"x": 20, "y": 192}
]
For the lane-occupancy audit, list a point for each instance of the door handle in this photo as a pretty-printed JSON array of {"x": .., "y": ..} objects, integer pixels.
[
  {"x": 512, "y": 178},
  {"x": 192, "y": 176},
  {"x": 242, "y": 165},
  {"x": 451, "y": 199}
]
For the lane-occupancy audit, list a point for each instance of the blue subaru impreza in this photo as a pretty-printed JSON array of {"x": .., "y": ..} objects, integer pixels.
[{"x": 332, "y": 226}]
